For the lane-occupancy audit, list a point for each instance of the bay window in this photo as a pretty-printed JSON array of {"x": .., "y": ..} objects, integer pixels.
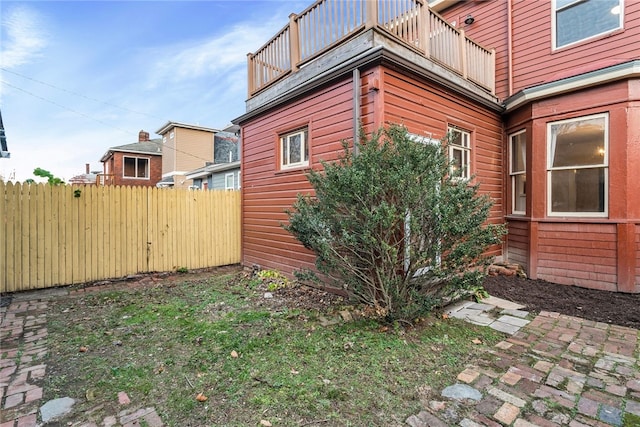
[{"x": 518, "y": 172}]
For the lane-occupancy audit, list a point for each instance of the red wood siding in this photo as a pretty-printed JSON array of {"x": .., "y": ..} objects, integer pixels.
[
  {"x": 518, "y": 243},
  {"x": 490, "y": 16},
  {"x": 268, "y": 192},
  {"x": 534, "y": 60},
  {"x": 578, "y": 254},
  {"x": 428, "y": 108}
]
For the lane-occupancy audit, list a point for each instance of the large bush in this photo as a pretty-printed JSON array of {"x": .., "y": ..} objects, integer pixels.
[{"x": 391, "y": 226}]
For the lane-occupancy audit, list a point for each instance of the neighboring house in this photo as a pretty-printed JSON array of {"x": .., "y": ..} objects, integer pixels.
[
  {"x": 139, "y": 163},
  {"x": 89, "y": 177},
  {"x": 4, "y": 150},
  {"x": 185, "y": 148},
  {"x": 224, "y": 172},
  {"x": 542, "y": 99}
]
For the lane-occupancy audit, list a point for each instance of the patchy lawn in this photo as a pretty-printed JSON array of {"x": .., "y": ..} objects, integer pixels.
[{"x": 289, "y": 360}]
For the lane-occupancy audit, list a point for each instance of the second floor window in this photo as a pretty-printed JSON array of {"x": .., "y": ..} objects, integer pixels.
[
  {"x": 460, "y": 152},
  {"x": 577, "y": 20},
  {"x": 135, "y": 167},
  {"x": 294, "y": 149}
]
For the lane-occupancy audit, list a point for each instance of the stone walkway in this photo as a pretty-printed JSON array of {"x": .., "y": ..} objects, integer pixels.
[{"x": 553, "y": 370}]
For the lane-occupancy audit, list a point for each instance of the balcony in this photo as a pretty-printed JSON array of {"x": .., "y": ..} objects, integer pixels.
[{"x": 329, "y": 23}]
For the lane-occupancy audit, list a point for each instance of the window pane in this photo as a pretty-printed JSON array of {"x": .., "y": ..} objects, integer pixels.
[
  {"x": 294, "y": 149},
  {"x": 306, "y": 146},
  {"x": 579, "y": 143},
  {"x": 519, "y": 193},
  {"x": 456, "y": 157},
  {"x": 577, "y": 190},
  {"x": 518, "y": 152},
  {"x": 142, "y": 168},
  {"x": 129, "y": 167},
  {"x": 456, "y": 137},
  {"x": 585, "y": 19},
  {"x": 285, "y": 150}
]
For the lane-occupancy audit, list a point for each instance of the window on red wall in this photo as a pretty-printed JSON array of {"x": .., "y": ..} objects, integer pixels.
[
  {"x": 577, "y": 171},
  {"x": 518, "y": 171},
  {"x": 577, "y": 20},
  {"x": 136, "y": 167},
  {"x": 460, "y": 152},
  {"x": 294, "y": 149}
]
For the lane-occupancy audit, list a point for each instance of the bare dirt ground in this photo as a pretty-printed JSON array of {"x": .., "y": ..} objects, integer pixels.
[{"x": 538, "y": 295}]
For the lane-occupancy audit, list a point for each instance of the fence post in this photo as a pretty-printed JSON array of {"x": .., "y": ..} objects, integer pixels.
[
  {"x": 294, "y": 42},
  {"x": 463, "y": 53},
  {"x": 371, "y": 13}
]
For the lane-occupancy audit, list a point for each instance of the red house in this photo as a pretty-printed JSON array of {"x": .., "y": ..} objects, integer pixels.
[
  {"x": 139, "y": 163},
  {"x": 543, "y": 99}
]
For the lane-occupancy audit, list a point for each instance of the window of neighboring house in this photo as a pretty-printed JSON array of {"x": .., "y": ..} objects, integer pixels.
[
  {"x": 294, "y": 149},
  {"x": 577, "y": 172},
  {"x": 164, "y": 138},
  {"x": 576, "y": 20},
  {"x": 239, "y": 180},
  {"x": 460, "y": 152},
  {"x": 518, "y": 171},
  {"x": 171, "y": 135},
  {"x": 136, "y": 167},
  {"x": 229, "y": 181},
  {"x": 205, "y": 184}
]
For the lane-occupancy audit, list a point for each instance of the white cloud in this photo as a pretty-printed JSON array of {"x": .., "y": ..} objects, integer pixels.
[
  {"x": 23, "y": 37},
  {"x": 215, "y": 56}
]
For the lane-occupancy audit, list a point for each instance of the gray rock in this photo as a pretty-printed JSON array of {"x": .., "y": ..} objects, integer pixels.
[
  {"x": 425, "y": 419},
  {"x": 461, "y": 391},
  {"x": 56, "y": 408}
]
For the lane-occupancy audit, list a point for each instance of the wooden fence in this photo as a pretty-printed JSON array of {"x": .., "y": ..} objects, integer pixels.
[{"x": 60, "y": 235}]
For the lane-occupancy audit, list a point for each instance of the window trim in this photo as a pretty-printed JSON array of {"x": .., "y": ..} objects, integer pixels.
[
  {"x": 513, "y": 174},
  {"x": 302, "y": 131},
  {"x": 554, "y": 35},
  {"x": 465, "y": 148},
  {"x": 604, "y": 165},
  {"x": 136, "y": 158},
  {"x": 226, "y": 181}
]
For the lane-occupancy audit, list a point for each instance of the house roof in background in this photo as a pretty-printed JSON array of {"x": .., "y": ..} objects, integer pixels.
[
  {"x": 170, "y": 125},
  {"x": 151, "y": 147},
  {"x": 211, "y": 169}
]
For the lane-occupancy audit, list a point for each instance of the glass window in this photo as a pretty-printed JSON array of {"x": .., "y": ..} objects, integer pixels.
[
  {"x": 460, "y": 152},
  {"x": 135, "y": 167},
  {"x": 578, "y": 166},
  {"x": 229, "y": 181},
  {"x": 294, "y": 149},
  {"x": 576, "y": 20},
  {"x": 518, "y": 171}
]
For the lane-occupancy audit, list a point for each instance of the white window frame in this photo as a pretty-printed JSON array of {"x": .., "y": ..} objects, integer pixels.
[
  {"x": 555, "y": 9},
  {"x": 229, "y": 177},
  {"x": 239, "y": 180},
  {"x": 285, "y": 155},
  {"x": 517, "y": 173},
  {"x": 464, "y": 149},
  {"x": 137, "y": 159},
  {"x": 604, "y": 165}
]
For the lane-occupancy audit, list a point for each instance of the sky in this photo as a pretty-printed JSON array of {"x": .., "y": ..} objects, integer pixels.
[{"x": 78, "y": 77}]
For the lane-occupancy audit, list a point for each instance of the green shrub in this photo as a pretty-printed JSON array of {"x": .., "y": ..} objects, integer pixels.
[{"x": 392, "y": 227}]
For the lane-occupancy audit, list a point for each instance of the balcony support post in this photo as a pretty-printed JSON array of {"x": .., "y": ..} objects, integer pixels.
[
  {"x": 424, "y": 29},
  {"x": 463, "y": 53},
  {"x": 250, "y": 74},
  {"x": 294, "y": 42},
  {"x": 371, "y": 13}
]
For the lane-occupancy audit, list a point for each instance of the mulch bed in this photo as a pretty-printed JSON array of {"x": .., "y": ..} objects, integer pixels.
[{"x": 538, "y": 295}]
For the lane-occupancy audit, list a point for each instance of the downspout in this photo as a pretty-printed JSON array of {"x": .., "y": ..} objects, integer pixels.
[
  {"x": 356, "y": 110},
  {"x": 510, "y": 47}
]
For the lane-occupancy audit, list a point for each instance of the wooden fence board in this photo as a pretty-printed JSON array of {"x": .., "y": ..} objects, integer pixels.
[{"x": 48, "y": 237}]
